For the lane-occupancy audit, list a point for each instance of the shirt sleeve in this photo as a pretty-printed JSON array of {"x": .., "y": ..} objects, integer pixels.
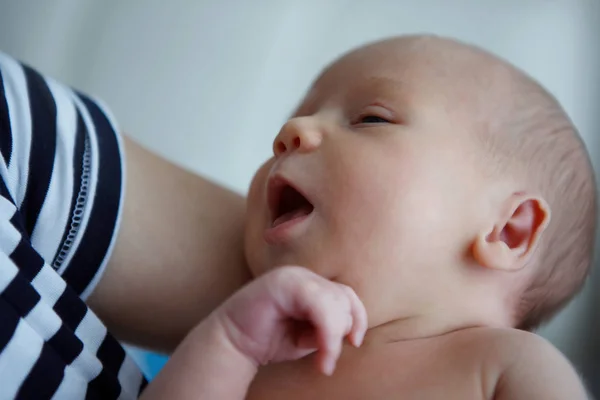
[
  {"x": 61, "y": 193},
  {"x": 62, "y": 163}
]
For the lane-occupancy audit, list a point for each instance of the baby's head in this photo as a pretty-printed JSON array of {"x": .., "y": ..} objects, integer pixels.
[{"x": 438, "y": 181}]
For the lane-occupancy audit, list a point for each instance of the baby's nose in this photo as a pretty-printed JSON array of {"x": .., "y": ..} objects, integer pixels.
[{"x": 297, "y": 135}]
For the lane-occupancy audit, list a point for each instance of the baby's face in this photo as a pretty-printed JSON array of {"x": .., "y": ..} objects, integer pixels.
[{"x": 373, "y": 184}]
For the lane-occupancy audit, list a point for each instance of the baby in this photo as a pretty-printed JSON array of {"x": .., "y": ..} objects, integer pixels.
[{"x": 454, "y": 197}]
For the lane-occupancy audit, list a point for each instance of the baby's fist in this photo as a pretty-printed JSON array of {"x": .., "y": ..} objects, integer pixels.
[{"x": 291, "y": 312}]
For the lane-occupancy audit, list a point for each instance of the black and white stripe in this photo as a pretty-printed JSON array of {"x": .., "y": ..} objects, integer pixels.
[
  {"x": 64, "y": 179},
  {"x": 18, "y": 115},
  {"x": 61, "y": 193}
]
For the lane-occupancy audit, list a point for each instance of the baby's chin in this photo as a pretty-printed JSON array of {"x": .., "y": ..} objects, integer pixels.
[
  {"x": 258, "y": 269},
  {"x": 253, "y": 260}
]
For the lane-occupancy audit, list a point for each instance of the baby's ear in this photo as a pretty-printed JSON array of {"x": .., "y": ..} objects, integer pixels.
[{"x": 515, "y": 235}]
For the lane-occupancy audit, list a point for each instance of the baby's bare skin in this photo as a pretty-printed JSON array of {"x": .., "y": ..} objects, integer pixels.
[
  {"x": 473, "y": 364},
  {"x": 291, "y": 312}
]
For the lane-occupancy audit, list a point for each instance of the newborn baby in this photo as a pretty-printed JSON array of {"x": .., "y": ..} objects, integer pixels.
[{"x": 453, "y": 195}]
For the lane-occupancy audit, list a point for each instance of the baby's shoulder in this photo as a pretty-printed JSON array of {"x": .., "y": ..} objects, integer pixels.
[
  {"x": 511, "y": 356},
  {"x": 508, "y": 339},
  {"x": 502, "y": 346}
]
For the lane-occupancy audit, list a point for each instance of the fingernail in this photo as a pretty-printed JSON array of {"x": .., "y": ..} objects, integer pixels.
[
  {"x": 358, "y": 339},
  {"x": 329, "y": 366}
]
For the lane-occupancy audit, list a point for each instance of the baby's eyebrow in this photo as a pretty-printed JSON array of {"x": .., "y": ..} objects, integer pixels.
[{"x": 386, "y": 83}]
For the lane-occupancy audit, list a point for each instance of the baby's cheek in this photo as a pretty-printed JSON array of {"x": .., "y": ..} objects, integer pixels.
[
  {"x": 257, "y": 185},
  {"x": 434, "y": 212},
  {"x": 256, "y": 209},
  {"x": 409, "y": 202}
]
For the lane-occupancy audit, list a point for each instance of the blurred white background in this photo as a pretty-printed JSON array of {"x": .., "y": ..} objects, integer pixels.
[{"x": 208, "y": 84}]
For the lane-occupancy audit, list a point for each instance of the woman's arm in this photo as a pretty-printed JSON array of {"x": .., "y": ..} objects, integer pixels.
[{"x": 178, "y": 255}]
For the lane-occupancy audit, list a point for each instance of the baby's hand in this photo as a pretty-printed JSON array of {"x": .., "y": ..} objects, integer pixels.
[{"x": 291, "y": 312}]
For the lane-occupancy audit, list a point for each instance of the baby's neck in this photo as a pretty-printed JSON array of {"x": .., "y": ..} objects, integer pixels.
[{"x": 422, "y": 327}]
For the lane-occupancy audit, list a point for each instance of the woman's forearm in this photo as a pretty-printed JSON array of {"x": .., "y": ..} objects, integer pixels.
[
  {"x": 205, "y": 366},
  {"x": 178, "y": 255}
]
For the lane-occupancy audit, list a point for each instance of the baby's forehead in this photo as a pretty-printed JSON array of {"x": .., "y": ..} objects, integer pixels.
[
  {"x": 362, "y": 68},
  {"x": 351, "y": 85},
  {"x": 406, "y": 69},
  {"x": 354, "y": 79}
]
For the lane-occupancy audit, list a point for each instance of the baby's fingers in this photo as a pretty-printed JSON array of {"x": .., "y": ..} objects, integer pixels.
[
  {"x": 359, "y": 317},
  {"x": 329, "y": 312},
  {"x": 327, "y": 359}
]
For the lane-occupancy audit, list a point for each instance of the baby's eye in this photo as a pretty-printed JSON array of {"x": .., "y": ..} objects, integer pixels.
[{"x": 372, "y": 119}]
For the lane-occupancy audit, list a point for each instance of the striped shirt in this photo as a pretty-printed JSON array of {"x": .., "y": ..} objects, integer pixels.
[{"x": 61, "y": 195}]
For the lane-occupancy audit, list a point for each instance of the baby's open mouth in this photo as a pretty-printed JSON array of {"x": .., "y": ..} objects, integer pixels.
[{"x": 288, "y": 204}]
